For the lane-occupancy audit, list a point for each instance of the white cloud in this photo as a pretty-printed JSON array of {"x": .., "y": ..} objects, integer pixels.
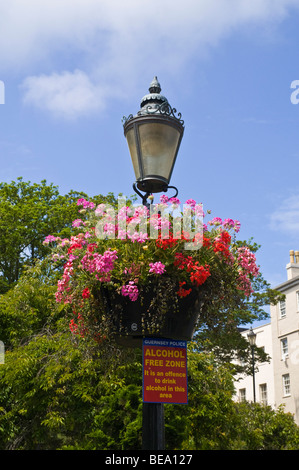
[
  {"x": 115, "y": 43},
  {"x": 67, "y": 94},
  {"x": 286, "y": 218}
]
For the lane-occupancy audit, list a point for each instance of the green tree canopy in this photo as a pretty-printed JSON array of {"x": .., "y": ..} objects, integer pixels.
[{"x": 28, "y": 213}]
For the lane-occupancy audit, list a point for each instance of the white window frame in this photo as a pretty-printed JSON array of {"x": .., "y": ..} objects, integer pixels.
[
  {"x": 284, "y": 348},
  {"x": 286, "y": 385},
  {"x": 242, "y": 394},
  {"x": 282, "y": 309},
  {"x": 263, "y": 394}
]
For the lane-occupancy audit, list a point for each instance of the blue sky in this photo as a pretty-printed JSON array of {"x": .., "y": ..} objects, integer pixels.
[{"x": 72, "y": 70}]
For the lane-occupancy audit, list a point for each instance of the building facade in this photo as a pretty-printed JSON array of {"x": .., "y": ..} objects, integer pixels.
[
  {"x": 277, "y": 382},
  {"x": 264, "y": 375}
]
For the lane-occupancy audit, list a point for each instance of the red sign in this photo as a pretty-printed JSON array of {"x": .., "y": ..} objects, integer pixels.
[{"x": 165, "y": 371}]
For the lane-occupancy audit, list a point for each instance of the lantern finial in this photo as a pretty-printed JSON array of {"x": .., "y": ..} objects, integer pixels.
[
  {"x": 153, "y": 101},
  {"x": 155, "y": 86}
]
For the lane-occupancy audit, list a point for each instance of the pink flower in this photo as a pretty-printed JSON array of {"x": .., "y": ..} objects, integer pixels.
[
  {"x": 139, "y": 237},
  {"x": 215, "y": 221},
  {"x": 237, "y": 226},
  {"x": 100, "y": 210},
  {"x": 174, "y": 200},
  {"x": 49, "y": 239},
  {"x": 104, "y": 264},
  {"x": 85, "y": 204},
  {"x": 190, "y": 202},
  {"x": 130, "y": 290},
  {"x": 247, "y": 261},
  {"x": 77, "y": 223},
  {"x": 109, "y": 229},
  {"x": 164, "y": 199},
  {"x": 247, "y": 266},
  {"x": 228, "y": 223},
  {"x": 157, "y": 268}
]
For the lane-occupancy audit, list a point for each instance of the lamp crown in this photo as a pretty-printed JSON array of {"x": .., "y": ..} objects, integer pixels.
[
  {"x": 155, "y": 86},
  {"x": 154, "y": 99}
]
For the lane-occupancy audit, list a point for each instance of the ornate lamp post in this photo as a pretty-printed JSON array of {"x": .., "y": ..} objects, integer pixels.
[
  {"x": 153, "y": 136},
  {"x": 252, "y": 341}
]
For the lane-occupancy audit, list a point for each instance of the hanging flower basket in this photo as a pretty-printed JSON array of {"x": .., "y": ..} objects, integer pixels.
[
  {"x": 152, "y": 316},
  {"x": 129, "y": 272}
]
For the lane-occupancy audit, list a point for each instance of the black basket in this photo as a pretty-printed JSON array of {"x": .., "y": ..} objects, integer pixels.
[{"x": 130, "y": 321}]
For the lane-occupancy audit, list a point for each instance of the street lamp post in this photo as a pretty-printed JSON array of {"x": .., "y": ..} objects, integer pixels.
[
  {"x": 154, "y": 136},
  {"x": 252, "y": 341}
]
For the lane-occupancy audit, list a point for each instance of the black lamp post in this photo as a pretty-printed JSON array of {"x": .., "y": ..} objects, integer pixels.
[
  {"x": 154, "y": 136},
  {"x": 252, "y": 341}
]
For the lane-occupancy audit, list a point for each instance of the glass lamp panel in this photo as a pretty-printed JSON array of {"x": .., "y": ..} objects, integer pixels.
[
  {"x": 251, "y": 338},
  {"x": 133, "y": 151},
  {"x": 158, "y": 144}
]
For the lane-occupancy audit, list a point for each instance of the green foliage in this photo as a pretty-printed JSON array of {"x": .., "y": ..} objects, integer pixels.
[
  {"x": 64, "y": 392},
  {"x": 61, "y": 391},
  {"x": 28, "y": 213},
  {"x": 27, "y": 308},
  {"x": 259, "y": 427}
]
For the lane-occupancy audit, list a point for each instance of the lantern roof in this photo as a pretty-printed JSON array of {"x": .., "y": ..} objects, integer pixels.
[
  {"x": 153, "y": 97},
  {"x": 153, "y": 103}
]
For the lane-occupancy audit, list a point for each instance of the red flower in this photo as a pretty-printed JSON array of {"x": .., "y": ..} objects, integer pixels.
[
  {"x": 74, "y": 246},
  {"x": 222, "y": 244},
  {"x": 91, "y": 247},
  {"x": 183, "y": 292},
  {"x": 86, "y": 293},
  {"x": 225, "y": 237},
  {"x": 199, "y": 274},
  {"x": 182, "y": 261},
  {"x": 165, "y": 243},
  {"x": 206, "y": 242}
]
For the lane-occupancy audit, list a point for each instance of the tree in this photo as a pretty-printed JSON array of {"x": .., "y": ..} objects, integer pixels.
[{"x": 28, "y": 213}]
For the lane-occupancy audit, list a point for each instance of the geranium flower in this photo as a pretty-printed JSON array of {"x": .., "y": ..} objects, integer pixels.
[{"x": 157, "y": 268}]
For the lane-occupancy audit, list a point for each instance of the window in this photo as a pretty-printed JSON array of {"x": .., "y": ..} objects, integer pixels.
[
  {"x": 284, "y": 348},
  {"x": 242, "y": 394},
  {"x": 263, "y": 394},
  {"x": 286, "y": 385},
  {"x": 297, "y": 300},
  {"x": 282, "y": 308}
]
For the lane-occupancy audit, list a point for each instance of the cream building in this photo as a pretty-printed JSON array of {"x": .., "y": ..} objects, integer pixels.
[
  {"x": 264, "y": 376},
  {"x": 277, "y": 382},
  {"x": 285, "y": 339}
]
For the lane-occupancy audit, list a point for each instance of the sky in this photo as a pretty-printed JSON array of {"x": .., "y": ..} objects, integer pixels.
[{"x": 70, "y": 71}]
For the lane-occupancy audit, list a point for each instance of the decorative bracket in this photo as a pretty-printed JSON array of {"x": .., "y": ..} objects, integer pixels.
[{"x": 147, "y": 194}]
